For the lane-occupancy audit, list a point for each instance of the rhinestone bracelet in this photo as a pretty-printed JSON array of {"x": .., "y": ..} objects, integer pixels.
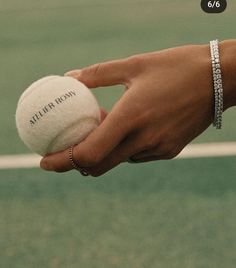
[{"x": 217, "y": 82}]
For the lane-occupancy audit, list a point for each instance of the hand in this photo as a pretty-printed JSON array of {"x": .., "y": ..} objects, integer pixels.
[{"x": 168, "y": 101}]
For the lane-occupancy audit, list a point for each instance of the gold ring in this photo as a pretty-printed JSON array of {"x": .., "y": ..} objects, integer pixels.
[{"x": 74, "y": 164}]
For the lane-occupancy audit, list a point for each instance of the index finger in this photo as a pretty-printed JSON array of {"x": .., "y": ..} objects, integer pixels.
[{"x": 102, "y": 74}]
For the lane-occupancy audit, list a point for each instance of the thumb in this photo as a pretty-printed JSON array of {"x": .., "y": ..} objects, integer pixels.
[{"x": 103, "y": 74}]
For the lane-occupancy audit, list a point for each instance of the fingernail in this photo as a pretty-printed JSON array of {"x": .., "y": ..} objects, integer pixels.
[
  {"x": 73, "y": 73},
  {"x": 44, "y": 164}
]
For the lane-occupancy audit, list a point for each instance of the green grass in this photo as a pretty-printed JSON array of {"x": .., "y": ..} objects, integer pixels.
[
  {"x": 121, "y": 220},
  {"x": 38, "y": 39},
  {"x": 171, "y": 214}
]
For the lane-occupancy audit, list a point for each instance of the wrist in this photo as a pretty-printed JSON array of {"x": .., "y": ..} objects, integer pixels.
[{"x": 228, "y": 66}]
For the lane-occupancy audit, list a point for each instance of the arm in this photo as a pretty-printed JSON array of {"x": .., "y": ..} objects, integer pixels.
[{"x": 168, "y": 101}]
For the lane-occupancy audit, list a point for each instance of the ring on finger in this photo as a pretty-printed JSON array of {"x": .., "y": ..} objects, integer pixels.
[{"x": 75, "y": 164}]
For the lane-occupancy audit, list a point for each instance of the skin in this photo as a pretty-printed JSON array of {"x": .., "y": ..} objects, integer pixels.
[{"x": 168, "y": 101}]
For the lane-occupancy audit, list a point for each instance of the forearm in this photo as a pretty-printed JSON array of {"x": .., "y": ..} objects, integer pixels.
[{"x": 228, "y": 65}]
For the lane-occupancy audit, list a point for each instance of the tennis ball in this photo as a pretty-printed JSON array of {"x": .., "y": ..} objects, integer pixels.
[{"x": 56, "y": 112}]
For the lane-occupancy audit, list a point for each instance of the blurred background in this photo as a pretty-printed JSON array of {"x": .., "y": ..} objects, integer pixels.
[{"x": 178, "y": 213}]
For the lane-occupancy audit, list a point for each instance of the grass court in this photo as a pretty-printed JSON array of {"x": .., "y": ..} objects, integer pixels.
[{"x": 167, "y": 214}]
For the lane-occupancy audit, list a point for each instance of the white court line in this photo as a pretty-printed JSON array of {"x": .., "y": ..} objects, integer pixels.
[
  {"x": 209, "y": 150},
  {"x": 19, "y": 161},
  {"x": 190, "y": 151}
]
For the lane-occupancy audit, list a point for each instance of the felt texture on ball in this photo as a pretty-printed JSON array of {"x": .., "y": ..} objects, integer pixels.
[{"x": 56, "y": 112}]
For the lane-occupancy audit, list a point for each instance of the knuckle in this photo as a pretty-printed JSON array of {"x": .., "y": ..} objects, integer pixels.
[
  {"x": 88, "y": 158},
  {"x": 137, "y": 63},
  {"x": 94, "y": 69},
  {"x": 91, "y": 70}
]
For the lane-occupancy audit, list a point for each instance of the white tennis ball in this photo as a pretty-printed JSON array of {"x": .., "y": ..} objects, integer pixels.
[{"x": 56, "y": 112}]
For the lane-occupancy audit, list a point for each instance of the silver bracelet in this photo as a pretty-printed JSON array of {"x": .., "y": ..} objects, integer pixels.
[{"x": 217, "y": 83}]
